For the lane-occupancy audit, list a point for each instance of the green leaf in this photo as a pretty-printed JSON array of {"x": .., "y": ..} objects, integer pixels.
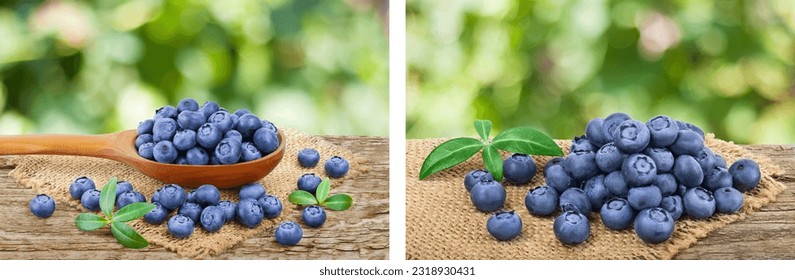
[
  {"x": 127, "y": 236},
  {"x": 301, "y": 197},
  {"x": 483, "y": 127},
  {"x": 493, "y": 161},
  {"x": 338, "y": 202},
  {"x": 322, "y": 190},
  {"x": 133, "y": 211},
  {"x": 107, "y": 197},
  {"x": 90, "y": 221},
  {"x": 525, "y": 140},
  {"x": 448, "y": 154}
]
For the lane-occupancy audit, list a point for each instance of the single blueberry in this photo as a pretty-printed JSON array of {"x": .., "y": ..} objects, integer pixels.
[
  {"x": 172, "y": 196},
  {"x": 42, "y": 206},
  {"x": 663, "y": 158},
  {"x": 691, "y": 127},
  {"x": 593, "y": 130},
  {"x": 475, "y": 176},
  {"x": 654, "y": 225},
  {"x": 581, "y": 165},
  {"x": 581, "y": 143},
  {"x": 228, "y": 151},
  {"x": 289, "y": 233},
  {"x": 558, "y": 178},
  {"x": 308, "y": 157},
  {"x": 504, "y": 225},
  {"x": 123, "y": 187},
  {"x": 222, "y": 119},
  {"x": 180, "y": 226},
  {"x": 191, "y": 197},
  {"x": 209, "y": 108},
  {"x": 666, "y": 182},
  {"x": 552, "y": 162},
  {"x": 309, "y": 182},
  {"x": 191, "y": 210},
  {"x": 313, "y": 216},
  {"x": 597, "y": 192},
  {"x": 716, "y": 178},
  {"x": 166, "y": 112},
  {"x": 145, "y": 127},
  {"x": 572, "y": 227},
  {"x": 80, "y": 185},
  {"x": 187, "y": 104},
  {"x": 541, "y": 201},
  {"x": 233, "y": 135},
  {"x": 252, "y": 190},
  {"x": 90, "y": 200},
  {"x": 229, "y": 208},
  {"x": 207, "y": 195},
  {"x": 519, "y": 169},
  {"x": 249, "y": 152},
  {"x": 249, "y": 213},
  {"x": 141, "y": 139},
  {"x": 687, "y": 171},
  {"x": 728, "y": 200},
  {"x": 720, "y": 161},
  {"x": 576, "y": 198},
  {"x": 663, "y": 130},
  {"x": 673, "y": 204},
  {"x": 616, "y": 184},
  {"x": 745, "y": 174},
  {"x": 156, "y": 196},
  {"x": 165, "y": 152},
  {"x": 208, "y": 136},
  {"x": 639, "y": 170},
  {"x": 488, "y": 195},
  {"x": 617, "y": 214},
  {"x": 190, "y": 120},
  {"x": 609, "y": 158},
  {"x": 197, "y": 156},
  {"x": 687, "y": 143},
  {"x": 631, "y": 137},
  {"x": 129, "y": 197},
  {"x": 269, "y": 125},
  {"x": 241, "y": 112},
  {"x": 271, "y": 206},
  {"x": 164, "y": 129},
  {"x": 147, "y": 151},
  {"x": 157, "y": 215},
  {"x": 611, "y": 124},
  {"x": 184, "y": 140},
  {"x": 336, "y": 167},
  {"x": 699, "y": 203},
  {"x": 212, "y": 218},
  {"x": 266, "y": 140},
  {"x": 706, "y": 159},
  {"x": 644, "y": 197},
  {"x": 248, "y": 124}
]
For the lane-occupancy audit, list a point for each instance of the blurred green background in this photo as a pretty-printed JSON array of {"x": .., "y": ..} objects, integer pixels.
[
  {"x": 103, "y": 66},
  {"x": 726, "y": 66}
]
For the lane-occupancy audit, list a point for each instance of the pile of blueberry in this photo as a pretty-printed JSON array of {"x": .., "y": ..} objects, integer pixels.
[
  {"x": 189, "y": 134},
  {"x": 633, "y": 174}
]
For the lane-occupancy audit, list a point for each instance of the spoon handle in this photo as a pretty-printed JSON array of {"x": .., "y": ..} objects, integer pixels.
[{"x": 59, "y": 144}]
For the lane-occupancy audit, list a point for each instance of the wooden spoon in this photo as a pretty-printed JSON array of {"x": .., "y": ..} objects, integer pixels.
[{"x": 120, "y": 147}]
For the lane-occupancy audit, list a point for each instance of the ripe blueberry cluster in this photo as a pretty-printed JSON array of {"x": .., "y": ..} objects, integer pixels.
[
  {"x": 84, "y": 189},
  {"x": 336, "y": 166},
  {"x": 189, "y": 134}
]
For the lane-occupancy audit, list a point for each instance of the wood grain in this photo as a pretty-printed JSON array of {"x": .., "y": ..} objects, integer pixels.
[{"x": 361, "y": 232}]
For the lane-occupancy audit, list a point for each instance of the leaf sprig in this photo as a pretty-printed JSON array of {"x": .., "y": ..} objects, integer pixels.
[
  {"x": 337, "y": 202},
  {"x": 123, "y": 233},
  {"x": 522, "y": 140}
]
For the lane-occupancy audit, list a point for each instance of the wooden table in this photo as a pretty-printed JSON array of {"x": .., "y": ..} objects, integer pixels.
[{"x": 363, "y": 232}]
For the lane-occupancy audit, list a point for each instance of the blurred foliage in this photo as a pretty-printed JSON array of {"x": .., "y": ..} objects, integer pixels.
[
  {"x": 102, "y": 66},
  {"x": 726, "y": 66}
]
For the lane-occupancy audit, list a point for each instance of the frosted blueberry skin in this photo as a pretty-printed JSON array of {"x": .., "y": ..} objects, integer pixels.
[
  {"x": 208, "y": 135},
  {"x": 157, "y": 215},
  {"x": 617, "y": 214},
  {"x": 616, "y": 184},
  {"x": 309, "y": 182},
  {"x": 728, "y": 200},
  {"x": 90, "y": 200},
  {"x": 187, "y": 104},
  {"x": 209, "y": 108},
  {"x": 673, "y": 204},
  {"x": 687, "y": 143},
  {"x": 171, "y": 196},
  {"x": 581, "y": 165},
  {"x": 143, "y": 138},
  {"x": 288, "y": 233},
  {"x": 593, "y": 130},
  {"x": 716, "y": 178},
  {"x": 336, "y": 167},
  {"x": 662, "y": 157},
  {"x": 271, "y": 206},
  {"x": 552, "y": 162},
  {"x": 145, "y": 127},
  {"x": 541, "y": 201},
  {"x": 631, "y": 137},
  {"x": 248, "y": 124},
  {"x": 165, "y": 152},
  {"x": 207, "y": 195},
  {"x": 699, "y": 203},
  {"x": 687, "y": 171},
  {"x": 233, "y": 135},
  {"x": 596, "y": 191},
  {"x": 519, "y": 169},
  {"x": 557, "y": 178},
  {"x": 611, "y": 123},
  {"x": 185, "y": 139},
  {"x": 745, "y": 174},
  {"x": 249, "y": 213},
  {"x": 166, "y": 112},
  {"x": 313, "y": 216},
  {"x": 609, "y": 158},
  {"x": 488, "y": 195},
  {"x": 654, "y": 225},
  {"x": 180, "y": 226},
  {"x": 663, "y": 130},
  {"x": 581, "y": 143},
  {"x": 191, "y": 210},
  {"x": 42, "y": 206},
  {"x": 129, "y": 197},
  {"x": 190, "y": 120},
  {"x": 123, "y": 187},
  {"x": 164, "y": 130},
  {"x": 212, "y": 218},
  {"x": 644, "y": 197},
  {"x": 572, "y": 227},
  {"x": 690, "y": 127},
  {"x": 223, "y": 120},
  {"x": 197, "y": 156},
  {"x": 252, "y": 191},
  {"x": 241, "y": 112},
  {"x": 706, "y": 159},
  {"x": 504, "y": 226},
  {"x": 147, "y": 151},
  {"x": 229, "y": 208},
  {"x": 228, "y": 151},
  {"x": 266, "y": 140},
  {"x": 575, "y": 199},
  {"x": 308, "y": 157},
  {"x": 474, "y": 177},
  {"x": 249, "y": 152},
  {"x": 269, "y": 126},
  {"x": 666, "y": 182},
  {"x": 80, "y": 185},
  {"x": 639, "y": 170},
  {"x": 720, "y": 161}
]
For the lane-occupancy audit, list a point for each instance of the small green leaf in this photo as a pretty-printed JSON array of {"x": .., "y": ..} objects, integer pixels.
[
  {"x": 493, "y": 161},
  {"x": 133, "y": 211},
  {"x": 338, "y": 202},
  {"x": 483, "y": 127},
  {"x": 127, "y": 236},
  {"x": 322, "y": 190},
  {"x": 448, "y": 154},
  {"x": 526, "y": 140},
  {"x": 301, "y": 197},
  {"x": 90, "y": 221},
  {"x": 107, "y": 197}
]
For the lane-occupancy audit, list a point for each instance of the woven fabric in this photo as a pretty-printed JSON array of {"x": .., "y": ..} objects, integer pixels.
[
  {"x": 442, "y": 223},
  {"x": 53, "y": 174}
]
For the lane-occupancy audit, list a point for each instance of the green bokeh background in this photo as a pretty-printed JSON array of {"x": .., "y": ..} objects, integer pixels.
[
  {"x": 726, "y": 66},
  {"x": 103, "y": 66}
]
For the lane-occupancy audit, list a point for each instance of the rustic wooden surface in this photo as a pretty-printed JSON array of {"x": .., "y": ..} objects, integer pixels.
[{"x": 361, "y": 232}]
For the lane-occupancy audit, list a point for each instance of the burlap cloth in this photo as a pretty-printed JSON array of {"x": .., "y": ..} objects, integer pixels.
[
  {"x": 53, "y": 174},
  {"x": 441, "y": 222}
]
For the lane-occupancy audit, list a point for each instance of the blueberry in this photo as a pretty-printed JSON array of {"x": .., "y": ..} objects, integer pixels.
[
  {"x": 728, "y": 200},
  {"x": 229, "y": 208},
  {"x": 617, "y": 214},
  {"x": 572, "y": 227},
  {"x": 266, "y": 140},
  {"x": 129, "y": 197},
  {"x": 208, "y": 135},
  {"x": 269, "y": 125},
  {"x": 241, "y": 112},
  {"x": 171, "y": 196},
  {"x": 147, "y": 151},
  {"x": 706, "y": 159},
  {"x": 609, "y": 158},
  {"x": 308, "y": 157},
  {"x": 541, "y": 201},
  {"x": 141, "y": 139},
  {"x": 209, "y": 108},
  {"x": 123, "y": 187},
  {"x": 197, "y": 156},
  {"x": 552, "y": 162},
  {"x": 519, "y": 169},
  {"x": 687, "y": 171},
  {"x": 663, "y": 130},
  {"x": 639, "y": 170},
  {"x": 184, "y": 139},
  {"x": 581, "y": 143},
  {"x": 611, "y": 124},
  {"x": 745, "y": 174},
  {"x": 249, "y": 213},
  {"x": 698, "y": 203},
  {"x": 309, "y": 182},
  {"x": 165, "y": 152},
  {"x": 271, "y": 206},
  {"x": 504, "y": 225},
  {"x": 488, "y": 195},
  {"x": 145, "y": 127},
  {"x": 248, "y": 124},
  {"x": 187, "y": 104},
  {"x": 42, "y": 206},
  {"x": 166, "y": 112},
  {"x": 475, "y": 176},
  {"x": 313, "y": 216},
  {"x": 212, "y": 218},
  {"x": 597, "y": 192},
  {"x": 654, "y": 225},
  {"x": 663, "y": 158},
  {"x": 644, "y": 197},
  {"x": 616, "y": 184},
  {"x": 682, "y": 190},
  {"x": 164, "y": 129},
  {"x": 207, "y": 195},
  {"x": 234, "y": 135},
  {"x": 673, "y": 204},
  {"x": 249, "y": 152},
  {"x": 181, "y": 159},
  {"x": 228, "y": 151},
  {"x": 558, "y": 178},
  {"x": 720, "y": 161},
  {"x": 691, "y": 127},
  {"x": 157, "y": 215},
  {"x": 190, "y": 120},
  {"x": 631, "y": 137},
  {"x": 666, "y": 182},
  {"x": 156, "y": 196},
  {"x": 80, "y": 185},
  {"x": 716, "y": 178},
  {"x": 191, "y": 210},
  {"x": 90, "y": 200},
  {"x": 575, "y": 199},
  {"x": 252, "y": 190},
  {"x": 336, "y": 167},
  {"x": 593, "y": 130},
  {"x": 289, "y": 233},
  {"x": 180, "y": 226},
  {"x": 581, "y": 165},
  {"x": 222, "y": 119},
  {"x": 191, "y": 197},
  {"x": 687, "y": 143}
]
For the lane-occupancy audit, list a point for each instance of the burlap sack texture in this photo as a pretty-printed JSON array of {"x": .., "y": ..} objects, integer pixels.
[
  {"x": 53, "y": 174},
  {"x": 442, "y": 223}
]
